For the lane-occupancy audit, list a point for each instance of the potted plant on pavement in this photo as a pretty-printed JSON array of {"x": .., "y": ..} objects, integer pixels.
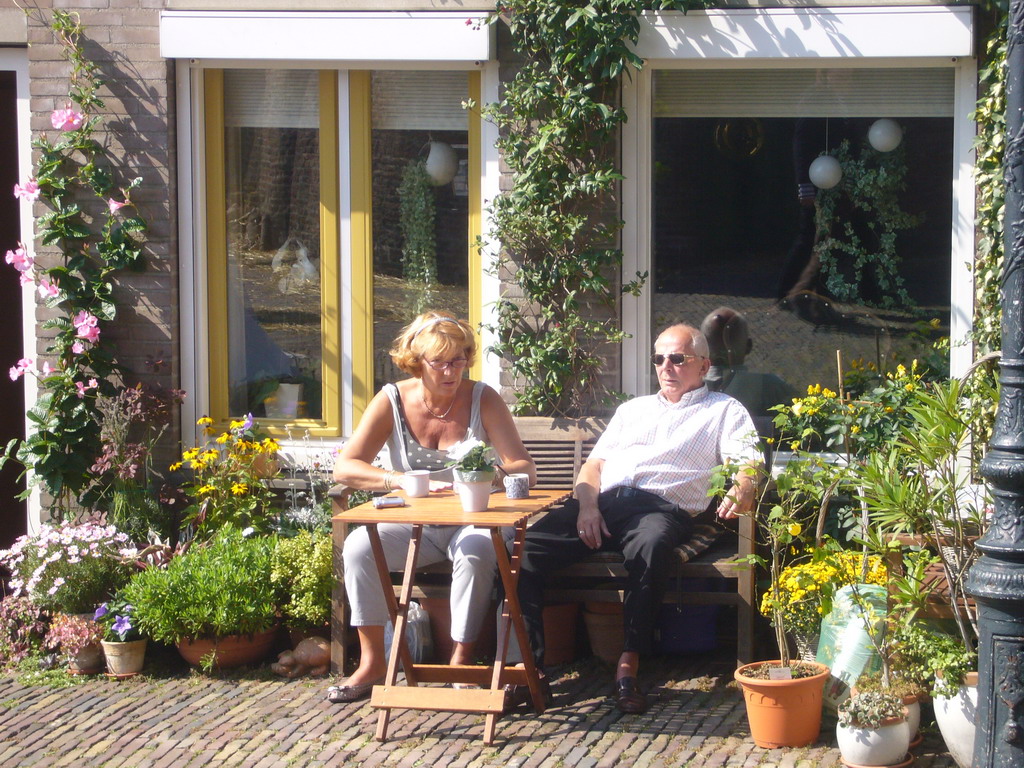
[
  {"x": 67, "y": 567},
  {"x": 78, "y": 641},
  {"x": 472, "y": 464},
  {"x": 873, "y": 730},
  {"x": 216, "y": 602},
  {"x": 124, "y": 647},
  {"x": 783, "y": 696},
  {"x": 228, "y": 473},
  {"x": 920, "y": 495},
  {"x": 301, "y": 572}
]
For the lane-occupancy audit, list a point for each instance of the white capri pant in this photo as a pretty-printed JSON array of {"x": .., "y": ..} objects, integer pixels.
[{"x": 473, "y": 568}]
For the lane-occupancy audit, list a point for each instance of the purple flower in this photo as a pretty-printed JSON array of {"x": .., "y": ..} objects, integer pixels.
[
  {"x": 101, "y": 611},
  {"x": 122, "y": 626}
]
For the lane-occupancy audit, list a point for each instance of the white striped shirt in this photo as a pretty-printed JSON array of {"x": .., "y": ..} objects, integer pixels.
[{"x": 671, "y": 448}]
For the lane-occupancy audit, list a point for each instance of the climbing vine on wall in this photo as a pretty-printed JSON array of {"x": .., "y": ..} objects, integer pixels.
[
  {"x": 87, "y": 222},
  {"x": 990, "y": 143},
  {"x": 558, "y": 224}
]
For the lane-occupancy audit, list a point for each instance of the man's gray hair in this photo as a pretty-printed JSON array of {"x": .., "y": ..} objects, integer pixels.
[{"x": 698, "y": 342}]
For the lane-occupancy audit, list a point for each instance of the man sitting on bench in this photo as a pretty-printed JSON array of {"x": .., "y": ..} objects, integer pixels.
[{"x": 638, "y": 493}]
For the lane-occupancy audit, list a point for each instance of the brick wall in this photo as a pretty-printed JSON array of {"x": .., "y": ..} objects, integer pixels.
[{"x": 122, "y": 36}]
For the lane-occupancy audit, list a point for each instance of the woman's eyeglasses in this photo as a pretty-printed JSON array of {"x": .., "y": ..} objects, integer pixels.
[
  {"x": 443, "y": 365},
  {"x": 676, "y": 358}
]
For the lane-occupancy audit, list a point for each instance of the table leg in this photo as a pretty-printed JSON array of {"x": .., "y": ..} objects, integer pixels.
[
  {"x": 398, "y": 610},
  {"x": 512, "y": 614}
]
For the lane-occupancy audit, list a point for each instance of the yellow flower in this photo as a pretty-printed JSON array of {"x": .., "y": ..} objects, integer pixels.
[
  {"x": 794, "y": 529},
  {"x": 236, "y": 425},
  {"x": 190, "y": 454},
  {"x": 223, "y": 438},
  {"x": 795, "y": 445},
  {"x": 270, "y": 445},
  {"x": 204, "y": 421},
  {"x": 854, "y": 429},
  {"x": 175, "y": 466},
  {"x": 239, "y": 489},
  {"x": 827, "y": 393},
  {"x": 797, "y": 407},
  {"x": 901, "y": 371},
  {"x": 770, "y": 440},
  {"x": 205, "y": 489}
]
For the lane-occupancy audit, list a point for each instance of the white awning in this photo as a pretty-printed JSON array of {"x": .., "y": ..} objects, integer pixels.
[
  {"x": 331, "y": 36},
  {"x": 808, "y": 33}
]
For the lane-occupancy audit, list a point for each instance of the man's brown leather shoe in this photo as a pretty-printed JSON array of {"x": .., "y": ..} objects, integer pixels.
[{"x": 629, "y": 698}]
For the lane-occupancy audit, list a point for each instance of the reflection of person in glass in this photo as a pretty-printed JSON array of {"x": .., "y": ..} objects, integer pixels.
[
  {"x": 729, "y": 343},
  {"x": 419, "y": 419}
]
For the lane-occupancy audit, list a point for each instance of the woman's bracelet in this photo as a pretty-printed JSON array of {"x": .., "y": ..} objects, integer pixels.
[{"x": 389, "y": 480}]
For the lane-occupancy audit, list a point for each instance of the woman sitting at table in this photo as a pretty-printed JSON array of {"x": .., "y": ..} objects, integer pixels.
[{"x": 420, "y": 419}]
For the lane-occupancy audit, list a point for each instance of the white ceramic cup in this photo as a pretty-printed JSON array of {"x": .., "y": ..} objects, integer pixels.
[
  {"x": 416, "y": 483},
  {"x": 517, "y": 486}
]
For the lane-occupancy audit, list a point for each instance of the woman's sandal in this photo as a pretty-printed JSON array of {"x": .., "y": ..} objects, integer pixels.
[{"x": 341, "y": 694}]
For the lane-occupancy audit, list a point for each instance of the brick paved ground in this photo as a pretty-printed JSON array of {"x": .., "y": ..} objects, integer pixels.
[{"x": 696, "y": 719}]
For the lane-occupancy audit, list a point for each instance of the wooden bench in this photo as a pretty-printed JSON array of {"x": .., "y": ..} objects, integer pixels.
[{"x": 559, "y": 447}]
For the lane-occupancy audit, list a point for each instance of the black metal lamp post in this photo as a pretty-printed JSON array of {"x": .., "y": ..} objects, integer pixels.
[{"x": 997, "y": 579}]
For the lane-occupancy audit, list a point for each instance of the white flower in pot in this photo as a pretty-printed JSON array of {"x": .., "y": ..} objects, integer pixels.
[{"x": 472, "y": 463}]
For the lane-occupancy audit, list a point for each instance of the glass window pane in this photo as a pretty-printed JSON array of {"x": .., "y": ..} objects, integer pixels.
[
  {"x": 420, "y": 202},
  {"x": 272, "y": 183},
  {"x": 863, "y": 268}
]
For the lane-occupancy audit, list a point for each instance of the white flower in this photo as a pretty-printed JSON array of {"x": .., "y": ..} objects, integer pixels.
[
  {"x": 460, "y": 449},
  {"x": 248, "y": 532}
]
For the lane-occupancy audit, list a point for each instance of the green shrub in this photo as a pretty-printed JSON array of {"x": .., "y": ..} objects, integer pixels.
[
  {"x": 301, "y": 573},
  {"x": 217, "y": 589}
]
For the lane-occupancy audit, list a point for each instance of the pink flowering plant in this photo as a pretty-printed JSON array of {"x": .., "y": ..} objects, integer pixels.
[
  {"x": 22, "y": 630},
  {"x": 69, "y": 568},
  {"x": 72, "y": 634},
  {"x": 88, "y": 229}
]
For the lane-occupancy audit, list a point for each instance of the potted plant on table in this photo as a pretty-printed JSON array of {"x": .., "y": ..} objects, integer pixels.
[
  {"x": 472, "y": 464},
  {"x": 216, "y": 602},
  {"x": 124, "y": 647},
  {"x": 783, "y": 697}
]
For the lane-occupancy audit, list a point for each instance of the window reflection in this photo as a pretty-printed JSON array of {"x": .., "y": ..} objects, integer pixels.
[
  {"x": 420, "y": 146},
  {"x": 272, "y": 183},
  {"x": 863, "y": 268}
]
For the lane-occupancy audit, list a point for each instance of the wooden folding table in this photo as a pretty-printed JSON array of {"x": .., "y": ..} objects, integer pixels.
[{"x": 443, "y": 508}]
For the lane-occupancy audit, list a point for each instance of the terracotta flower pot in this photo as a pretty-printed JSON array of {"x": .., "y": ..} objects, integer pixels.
[
  {"x": 88, "y": 661},
  {"x": 783, "y": 713},
  {"x": 124, "y": 659},
  {"x": 230, "y": 650}
]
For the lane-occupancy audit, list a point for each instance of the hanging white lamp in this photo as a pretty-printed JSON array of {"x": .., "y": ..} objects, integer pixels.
[
  {"x": 825, "y": 172},
  {"x": 442, "y": 163},
  {"x": 885, "y": 134}
]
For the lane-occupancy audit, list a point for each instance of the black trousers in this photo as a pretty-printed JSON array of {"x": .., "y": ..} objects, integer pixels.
[{"x": 644, "y": 528}]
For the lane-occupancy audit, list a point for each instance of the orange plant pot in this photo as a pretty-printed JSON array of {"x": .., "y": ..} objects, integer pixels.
[{"x": 783, "y": 713}]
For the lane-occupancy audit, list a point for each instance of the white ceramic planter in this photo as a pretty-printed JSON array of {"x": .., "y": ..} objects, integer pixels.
[
  {"x": 955, "y": 716},
  {"x": 885, "y": 745},
  {"x": 474, "y": 488},
  {"x": 474, "y": 496}
]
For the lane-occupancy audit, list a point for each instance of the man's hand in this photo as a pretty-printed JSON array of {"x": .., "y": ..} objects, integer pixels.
[
  {"x": 740, "y": 498},
  {"x": 590, "y": 526}
]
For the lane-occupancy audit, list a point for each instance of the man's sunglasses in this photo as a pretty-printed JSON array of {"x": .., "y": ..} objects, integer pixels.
[{"x": 676, "y": 358}]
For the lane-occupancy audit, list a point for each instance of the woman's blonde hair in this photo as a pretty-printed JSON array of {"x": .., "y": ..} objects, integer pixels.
[{"x": 432, "y": 335}]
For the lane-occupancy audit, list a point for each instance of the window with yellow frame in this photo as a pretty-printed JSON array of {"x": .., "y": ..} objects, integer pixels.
[
  {"x": 273, "y": 255},
  {"x": 272, "y": 247}
]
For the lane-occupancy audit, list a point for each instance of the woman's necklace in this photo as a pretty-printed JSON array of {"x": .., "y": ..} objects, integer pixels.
[{"x": 439, "y": 416}]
